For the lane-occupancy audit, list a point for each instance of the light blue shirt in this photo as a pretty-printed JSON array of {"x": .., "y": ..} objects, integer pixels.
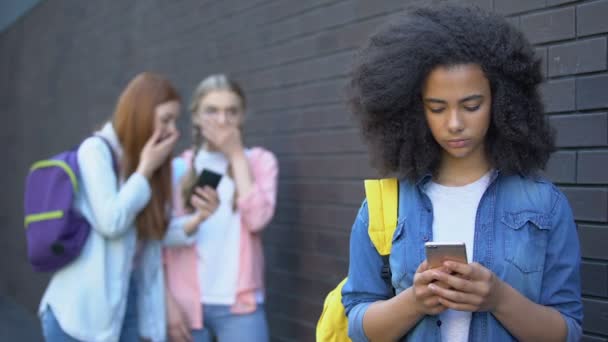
[
  {"x": 89, "y": 295},
  {"x": 524, "y": 233}
]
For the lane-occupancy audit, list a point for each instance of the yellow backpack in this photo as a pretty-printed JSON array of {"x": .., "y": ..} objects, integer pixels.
[{"x": 382, "y": 201}]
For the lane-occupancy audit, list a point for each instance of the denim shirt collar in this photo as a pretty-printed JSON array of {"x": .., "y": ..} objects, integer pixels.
[
  {"x": 426, "y": 178},
  {"x": 423, "y": 180}
]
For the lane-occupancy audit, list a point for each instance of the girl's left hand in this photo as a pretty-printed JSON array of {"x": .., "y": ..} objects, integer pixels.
[
  {"x": 226, "y": 137},
  {"x": 472, "y": 287},
  {"x": 206, "y": 201}
]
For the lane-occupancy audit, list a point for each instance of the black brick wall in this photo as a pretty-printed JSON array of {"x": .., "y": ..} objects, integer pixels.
[{"x": 64, "y": 63}]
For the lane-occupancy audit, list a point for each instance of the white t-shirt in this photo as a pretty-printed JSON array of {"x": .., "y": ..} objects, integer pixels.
[
  {"x": 218, "y": 237},
  {"x": 454, "y": 212}
]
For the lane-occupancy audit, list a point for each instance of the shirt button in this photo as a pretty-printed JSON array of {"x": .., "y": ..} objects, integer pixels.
[
  {"x": 438, "y": 322},
  {"x": 425, "y": 238}
]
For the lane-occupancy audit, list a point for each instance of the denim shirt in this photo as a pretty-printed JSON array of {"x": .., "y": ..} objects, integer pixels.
[{"x": 524, "y": 233}]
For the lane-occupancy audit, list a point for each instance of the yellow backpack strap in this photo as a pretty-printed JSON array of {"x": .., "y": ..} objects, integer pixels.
[
  {"x": 382, "y": 201},
  {"x": 382, "y": 205}
]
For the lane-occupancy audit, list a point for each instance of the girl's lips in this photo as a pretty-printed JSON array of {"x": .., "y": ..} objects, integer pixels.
[{"x": 458, "y": 143}]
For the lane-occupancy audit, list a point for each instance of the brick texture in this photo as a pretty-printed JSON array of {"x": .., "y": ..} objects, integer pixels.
[
  {"x": 578, "y": 57},
  {"x": 591, "y": 18},
  {"x": 549, "y": 25}
]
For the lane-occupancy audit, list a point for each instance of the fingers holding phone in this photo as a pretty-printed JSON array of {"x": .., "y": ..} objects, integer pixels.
[
  {"x": 205, "y": 200},
  {"x": 427, "y": 301},
  {"x": 473, "y": 287},
  {"x": 461, "y": 285}
]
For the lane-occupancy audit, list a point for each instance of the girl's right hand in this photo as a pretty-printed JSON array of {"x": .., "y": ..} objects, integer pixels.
[
  {"x": 427, "y": 301},
  {"x": 205, "y": 201},
  {"x": 226, "y": 137},
  {"x": 155, "y": 152}
]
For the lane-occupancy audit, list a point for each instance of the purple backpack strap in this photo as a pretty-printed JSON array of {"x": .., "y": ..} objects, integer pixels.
[{"x": 114, "y": 161}]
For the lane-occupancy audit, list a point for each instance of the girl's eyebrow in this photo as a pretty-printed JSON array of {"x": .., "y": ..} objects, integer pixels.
[
  {"x": 466, "y": 99},
  {"x": 472, "y": 97},
  {"x": 433, "y": 100}
]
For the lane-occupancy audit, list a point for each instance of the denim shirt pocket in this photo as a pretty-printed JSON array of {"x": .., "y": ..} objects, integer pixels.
[{"x": 525, "y": 239}]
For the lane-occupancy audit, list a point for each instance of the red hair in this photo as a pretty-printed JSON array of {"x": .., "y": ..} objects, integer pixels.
[{"x": 134, "y": 124}]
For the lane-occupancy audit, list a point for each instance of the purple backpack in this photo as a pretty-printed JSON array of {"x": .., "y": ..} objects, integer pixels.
[{"x": 55, "y": 231}]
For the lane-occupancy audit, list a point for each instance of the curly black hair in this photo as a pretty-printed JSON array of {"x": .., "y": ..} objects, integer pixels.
[{"x": 385, "y": 90}]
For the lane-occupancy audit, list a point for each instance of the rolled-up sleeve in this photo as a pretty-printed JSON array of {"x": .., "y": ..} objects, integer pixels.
[
  {"x": 365, "y": 284},
  {"x": 561, "y": 279}
]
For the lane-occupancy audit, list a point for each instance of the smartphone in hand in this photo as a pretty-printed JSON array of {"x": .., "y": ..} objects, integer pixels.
[
  {"x": 209, "y": 178},
  {"x": 438, "y": 252}
]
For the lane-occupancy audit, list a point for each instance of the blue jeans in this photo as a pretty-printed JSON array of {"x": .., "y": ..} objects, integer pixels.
[
  {"x": 225, "y": 326},
  {"x": 53, "y": 332}
]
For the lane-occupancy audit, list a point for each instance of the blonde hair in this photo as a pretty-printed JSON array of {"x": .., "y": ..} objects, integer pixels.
[
  {"x": 214, "y": 83},
  {"x": 209, "y": 84}
]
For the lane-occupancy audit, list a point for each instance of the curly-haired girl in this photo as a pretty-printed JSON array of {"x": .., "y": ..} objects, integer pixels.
[{"x": 448, "y": 99}]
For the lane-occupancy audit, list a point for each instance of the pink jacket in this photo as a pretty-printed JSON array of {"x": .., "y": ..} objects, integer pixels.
[{"x": 256, "y": 209}]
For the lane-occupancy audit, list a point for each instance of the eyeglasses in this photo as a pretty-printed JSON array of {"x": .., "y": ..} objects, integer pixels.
[{"x": 229, "y": 113}]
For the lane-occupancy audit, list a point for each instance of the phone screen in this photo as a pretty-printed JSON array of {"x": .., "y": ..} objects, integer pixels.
[{"x": 209, "y": 178}]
